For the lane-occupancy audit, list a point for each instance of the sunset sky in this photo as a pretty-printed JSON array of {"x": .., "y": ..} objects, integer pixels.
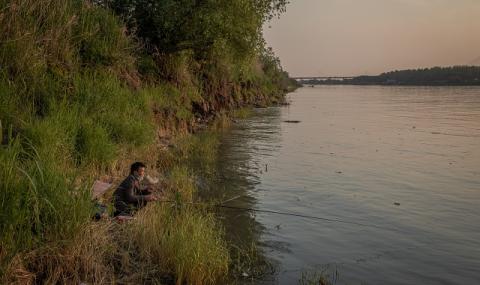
[{"x": 353, "y": 37}]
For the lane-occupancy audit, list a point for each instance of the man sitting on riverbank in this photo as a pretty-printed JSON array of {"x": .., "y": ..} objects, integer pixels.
[{"x": 130, "y": 195}]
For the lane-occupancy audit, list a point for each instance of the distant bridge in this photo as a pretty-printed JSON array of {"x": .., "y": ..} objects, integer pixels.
[{"x": 323, "y": 78}]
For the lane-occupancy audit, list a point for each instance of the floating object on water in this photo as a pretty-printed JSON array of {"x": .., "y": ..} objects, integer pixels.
[
  {"x": 291, "y": 121},
  {"x": 396, "y": 204}
]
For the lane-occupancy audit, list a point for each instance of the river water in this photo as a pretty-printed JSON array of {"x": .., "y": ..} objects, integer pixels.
[{"x": 399, "y": 165}]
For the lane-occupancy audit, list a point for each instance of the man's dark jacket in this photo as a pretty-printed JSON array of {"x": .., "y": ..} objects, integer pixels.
[{"x": 129, "y": 196}]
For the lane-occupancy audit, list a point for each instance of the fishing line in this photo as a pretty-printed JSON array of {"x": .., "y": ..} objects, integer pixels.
[{"x": 303, "y": 216}]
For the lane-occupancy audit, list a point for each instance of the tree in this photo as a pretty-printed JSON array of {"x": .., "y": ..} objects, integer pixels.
[{"x": 173, "y": 25}]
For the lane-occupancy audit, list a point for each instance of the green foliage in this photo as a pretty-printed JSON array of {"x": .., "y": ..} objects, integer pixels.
[
  {"x": 211, "y": 43},
  {"x": 101, "y": 38},
  {"x": 170, "y": 101},
  {"x": 123, "y": 113},
  {"x": 94, "y": 144},
  {"x": 172, "y": 25}
]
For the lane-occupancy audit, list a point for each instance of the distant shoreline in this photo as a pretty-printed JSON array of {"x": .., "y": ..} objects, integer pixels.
[
  {"x": 384, "y": 84},
  {"x": 436, "y": 76}
]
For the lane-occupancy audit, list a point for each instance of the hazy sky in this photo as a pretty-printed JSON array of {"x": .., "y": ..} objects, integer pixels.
[{"x": 352, "y": 37}]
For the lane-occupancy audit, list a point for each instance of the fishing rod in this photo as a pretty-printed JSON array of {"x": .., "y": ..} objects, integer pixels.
[{"x": 332, "y": 220}]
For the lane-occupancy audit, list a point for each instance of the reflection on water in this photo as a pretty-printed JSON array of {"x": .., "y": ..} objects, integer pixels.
[
  {"x": 238, "y": 172},
  {"x": 403, "y": 158}
]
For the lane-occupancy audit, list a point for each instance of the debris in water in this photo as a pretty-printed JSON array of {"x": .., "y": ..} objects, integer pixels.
[
  {"x": 396, "y": 204},
  {"x": 291, "y": 121},
  {"x": 339, "y": 172},
  {"x": 244, "y": 274}
]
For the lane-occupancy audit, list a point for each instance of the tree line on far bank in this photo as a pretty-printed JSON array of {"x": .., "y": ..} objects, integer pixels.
[{"x": 441, "y": 76}]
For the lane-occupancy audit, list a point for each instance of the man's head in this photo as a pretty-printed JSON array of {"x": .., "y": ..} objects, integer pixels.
[{"x": 138, "y": 169}]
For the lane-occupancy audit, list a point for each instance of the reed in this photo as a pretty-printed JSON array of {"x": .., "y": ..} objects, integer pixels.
[{"x": 318, "y": 277}]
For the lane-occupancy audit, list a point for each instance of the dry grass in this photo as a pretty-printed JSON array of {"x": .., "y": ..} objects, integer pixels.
[{"x": 87, "y": 258}]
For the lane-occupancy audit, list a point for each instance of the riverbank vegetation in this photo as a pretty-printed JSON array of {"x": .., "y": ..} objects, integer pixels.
[
  {"x": 86, "y": 88},
  {"x": 436, "y": 76}
]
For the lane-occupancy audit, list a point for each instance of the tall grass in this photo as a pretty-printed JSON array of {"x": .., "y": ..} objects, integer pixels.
[
  {"x": 63, "y": 109},
  {"x": 40, "y": 203},
  {"x": 182, "y": 241}
]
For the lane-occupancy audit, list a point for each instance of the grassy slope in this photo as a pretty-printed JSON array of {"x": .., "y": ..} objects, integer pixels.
[{"x": 78, "y": 101}]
